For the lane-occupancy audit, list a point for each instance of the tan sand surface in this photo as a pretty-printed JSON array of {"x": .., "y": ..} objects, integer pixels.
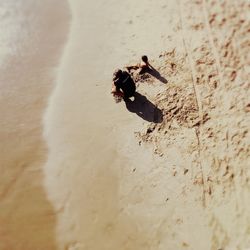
[
  {"x": 167, "y": 171},
  {"x": 171, "y": 170},
  {"x": 31, "y": 41}
]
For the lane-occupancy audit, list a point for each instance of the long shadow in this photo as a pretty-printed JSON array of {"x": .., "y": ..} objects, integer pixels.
[
  {"x": 155, "y": 73},
  {"x": 144, "y": 108}
]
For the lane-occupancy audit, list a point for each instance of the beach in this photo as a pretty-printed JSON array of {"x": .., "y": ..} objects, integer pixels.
[
  {"x": 29, "y": 58},
  {"x": 168, "y": 170}
]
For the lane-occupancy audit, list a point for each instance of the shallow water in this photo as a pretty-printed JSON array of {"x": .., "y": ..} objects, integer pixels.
[{"x": 28, "y": 58}]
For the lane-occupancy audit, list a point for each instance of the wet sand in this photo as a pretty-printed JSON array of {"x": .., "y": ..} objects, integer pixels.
[
  {"x": 167, "y": 171},
  {"x": 29, "y": 57}
]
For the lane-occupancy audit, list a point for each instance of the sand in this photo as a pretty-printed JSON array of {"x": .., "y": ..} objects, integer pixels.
[
  {"x": 29, "y": 57},
  {"x": 168, "y": 171}
]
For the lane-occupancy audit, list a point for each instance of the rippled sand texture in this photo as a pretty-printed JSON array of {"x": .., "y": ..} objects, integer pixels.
[
  {"x": 170, "y": 172},
  {"x": 32, "y": 36}
]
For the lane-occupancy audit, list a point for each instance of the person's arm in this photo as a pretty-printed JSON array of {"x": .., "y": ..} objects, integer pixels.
[
  {"x": 150, "y": 66},
  {"x": 113, "y": 89},
  {"x": 116, "y": 90},
  {"x": 137, "y": 66}
]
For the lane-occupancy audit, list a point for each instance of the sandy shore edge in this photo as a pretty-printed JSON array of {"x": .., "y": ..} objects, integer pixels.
[{"x": 30, "y": 58}]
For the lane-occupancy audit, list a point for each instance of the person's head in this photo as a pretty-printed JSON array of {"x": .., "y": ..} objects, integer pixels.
[
  {"x": 144, "y": 59},
  {"x": 117, "y": 74}
]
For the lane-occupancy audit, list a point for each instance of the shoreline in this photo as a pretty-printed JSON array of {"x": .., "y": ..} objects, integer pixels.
[
  {"x": 168, "y": 170},
  {"x": 92, "y": 148},
  {"x": 30, "y": 56}
]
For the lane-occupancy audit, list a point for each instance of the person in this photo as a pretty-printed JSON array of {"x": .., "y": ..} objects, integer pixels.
[
  {"x": 144, "y": 65},
  {"x": 123, "y": 84}
]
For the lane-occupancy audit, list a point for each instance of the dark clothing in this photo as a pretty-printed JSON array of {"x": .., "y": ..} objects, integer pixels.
[{"x": 125, "y": 83}]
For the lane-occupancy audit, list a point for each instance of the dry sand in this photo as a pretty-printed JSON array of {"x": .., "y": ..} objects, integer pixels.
[{"x": 169, "y": 171}]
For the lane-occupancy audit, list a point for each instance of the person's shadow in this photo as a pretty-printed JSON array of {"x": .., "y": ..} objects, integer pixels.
[
  {"x": 155, "y": 73},
  {"x": 144, "y": 108}
]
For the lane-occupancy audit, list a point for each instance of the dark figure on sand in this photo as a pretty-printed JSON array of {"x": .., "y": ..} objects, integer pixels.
[
  {"x": 123, "y": 84},
  {"x": 145, "y": 67}
]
